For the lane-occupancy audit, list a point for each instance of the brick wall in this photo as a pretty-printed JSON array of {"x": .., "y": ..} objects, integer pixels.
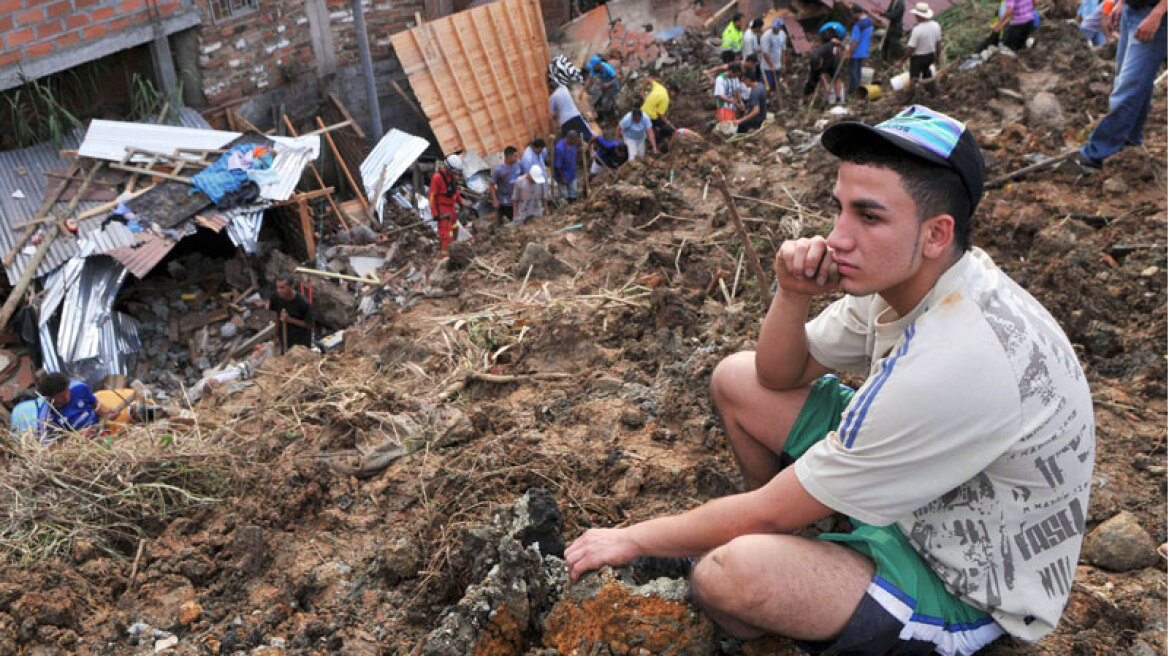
[{"x": 35, "y": 29}]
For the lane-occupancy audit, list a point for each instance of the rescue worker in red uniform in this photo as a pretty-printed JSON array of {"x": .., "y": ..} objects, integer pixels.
[{"x": 444, "y": 201}]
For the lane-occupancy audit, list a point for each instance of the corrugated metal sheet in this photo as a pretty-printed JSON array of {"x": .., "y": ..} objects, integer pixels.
[
  {"x": 108, "y": 140},
  {"x": 24, "y": 171},
  {"x": 395, "y": 153},
  {"x": 147, "y": 251},
  {"x": 87, "y": 308},
  {"x": 244, "y": 228}
]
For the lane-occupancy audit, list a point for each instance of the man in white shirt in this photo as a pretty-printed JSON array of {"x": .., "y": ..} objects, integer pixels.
[
  {"x": 963, "y": 462},
  {"x": 635, "y": 129},
  {"x": 565, "y": 113},
  {"x": 750, "y": 39},
  {"x": 924, "y": 44},
  {"x": 772, "y": 49}
]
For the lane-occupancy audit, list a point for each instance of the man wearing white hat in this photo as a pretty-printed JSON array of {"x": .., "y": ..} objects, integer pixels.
[
  {"x": 529, "y": 194},
  {"x": 924, "y": 44}
]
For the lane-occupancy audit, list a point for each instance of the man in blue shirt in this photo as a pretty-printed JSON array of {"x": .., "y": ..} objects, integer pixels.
[
  {"x": 603, "y": 92},
  {"x": 503, "y": 184},
  {"x": 72, "y": 406},
  {"x": 564, "y": 164},
  {"x": 634, "y": 129},
  {"x": 858, "y": 49}
]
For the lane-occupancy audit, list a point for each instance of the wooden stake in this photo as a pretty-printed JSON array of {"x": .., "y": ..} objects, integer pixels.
[
  {"x": 409, "y": 101},
  {"x": 764, "y": 284},
  {"x": 319, "y": 180},
  {"x": 17, "y": 293},
  {"x": 357, "y": 189},
  {"x": 1002, "y": 179},
  {"x": 356, "y": 127}
]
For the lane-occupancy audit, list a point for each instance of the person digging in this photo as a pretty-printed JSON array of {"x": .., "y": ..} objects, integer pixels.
[
  {"x": 963, "y": 463},
  {"x": 294, "y": 320}
]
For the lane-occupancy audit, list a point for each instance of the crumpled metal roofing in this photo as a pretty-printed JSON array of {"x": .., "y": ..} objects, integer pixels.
[
  {"x": 89, "y": 341},
  {"x": 244, "y": 227},
  {"x": 108, "y": 140},
  {"x": 25, "y": 170},
  {"x": 395, "y": 153}
]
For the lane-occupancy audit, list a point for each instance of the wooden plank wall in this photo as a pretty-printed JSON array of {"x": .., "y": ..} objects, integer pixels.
[{"x": 481, "y": 75}]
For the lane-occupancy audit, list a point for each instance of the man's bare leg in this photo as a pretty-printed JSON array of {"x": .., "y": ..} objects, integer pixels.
[
  {"x": 781, "y": 584},
  {"x": 757, "y": 419}
]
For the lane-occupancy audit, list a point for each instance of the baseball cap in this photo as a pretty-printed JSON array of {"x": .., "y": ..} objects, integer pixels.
[
  {"x": 536, "y": 172},
  {"x": 923, "y": 133},
  {"x": 777, "y": 24},
  {"x": 593, "y": 61}
]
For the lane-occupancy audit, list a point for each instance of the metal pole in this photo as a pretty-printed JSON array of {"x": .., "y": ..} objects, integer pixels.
[{"x": 367, "y": 67}]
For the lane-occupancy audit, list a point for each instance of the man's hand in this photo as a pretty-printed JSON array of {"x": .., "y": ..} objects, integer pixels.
[
  {"x": 283, "y": 315},
  {"x": 805, "y": 266},
  {"x": 1111, "y": 21},
  {"x": 599, "y": 547},
  {"x": 1150, "y": 25}
]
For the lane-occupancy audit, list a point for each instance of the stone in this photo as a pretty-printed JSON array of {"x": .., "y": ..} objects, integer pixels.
[
  {"x": 632, "y": 417},
  {"x": 541, "y": 263},
  {"x": 535, "y": 519},
  {"x": 1150, "y": 271},
  {"x": 607, "y": 385},
  {"x": 400, "y": 560},
  {"x": 164, "y": 644},
  {"x": 1120, "y": 544},
  {"x": 83, "y": 551},
  {"x": 248, "y": 549},
  {"x": 1044, "y": 109},
  {"x": 601, "y": 614},
  {"x": 1115, "y": 185},
  {"x": 189, "y": 612},
  {"x": 459, "y": 254}
]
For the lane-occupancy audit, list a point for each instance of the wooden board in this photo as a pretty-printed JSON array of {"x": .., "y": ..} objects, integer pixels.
[{"x": 480, "y": 75}]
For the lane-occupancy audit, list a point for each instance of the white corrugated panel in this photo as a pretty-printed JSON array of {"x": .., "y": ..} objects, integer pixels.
[
  {"x": 395, "y": 153},
  {"x": 108, "y": 140}
]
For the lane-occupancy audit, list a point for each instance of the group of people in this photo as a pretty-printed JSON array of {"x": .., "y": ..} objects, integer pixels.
[{"x": 751, "y": 75}]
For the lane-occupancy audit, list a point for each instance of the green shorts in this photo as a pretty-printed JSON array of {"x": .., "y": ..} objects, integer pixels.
[{"x": 904, "y": 586}]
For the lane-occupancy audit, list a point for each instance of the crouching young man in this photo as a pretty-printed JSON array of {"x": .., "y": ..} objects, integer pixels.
[{"x": 963, "y": 461}]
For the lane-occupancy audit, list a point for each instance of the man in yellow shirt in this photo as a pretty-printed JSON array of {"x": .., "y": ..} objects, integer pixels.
[{"x": 656, "y": 104}]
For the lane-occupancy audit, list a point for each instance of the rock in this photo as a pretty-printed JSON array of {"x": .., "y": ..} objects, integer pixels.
[
  {"x": 400, "y": 561},
  {"x": 228, "y": 330},
  {"x": 535, "y": 519},
  {"x": 452, "y": 426},
  {"x": 189, "y": 612},
  {"x": 607, "y": 385},
  {"x": 632, "y": 417},
  {"x": 1044, "y": 109},
  {"x": 459, "y": 254},
  {"x": 601, "y": 614},
  {"x": 1120, "y": 544},
  {"x": 83, "y": 550},
  {"x": 247, "y": 549},
  {"x": 541, "y": 263},
  {"x": 1115, "y": 185},
  {"x": 162, "y": 644},
  {"x": 331, "y": 305},
  {"x": 1150, "y": 271}
]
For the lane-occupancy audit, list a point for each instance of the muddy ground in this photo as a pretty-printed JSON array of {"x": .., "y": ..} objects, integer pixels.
[{"x": 623, "y": 304}]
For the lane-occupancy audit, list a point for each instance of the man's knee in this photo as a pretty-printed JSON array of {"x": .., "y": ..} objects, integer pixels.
[
  {"x": 724, "y": 578},
  {"x": 730, "y": 374}
]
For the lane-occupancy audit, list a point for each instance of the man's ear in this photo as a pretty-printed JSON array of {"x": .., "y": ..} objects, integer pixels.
[{"x": 937, "y": 236}]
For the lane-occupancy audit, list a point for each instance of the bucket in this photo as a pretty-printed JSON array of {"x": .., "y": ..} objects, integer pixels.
[
  {"x": 869, "y": 92},
  {"x": 900, "y": 82},
  {"x": 866, "y": 73}
]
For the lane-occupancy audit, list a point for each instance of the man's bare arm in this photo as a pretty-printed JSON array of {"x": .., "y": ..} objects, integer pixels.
[{"x": 804, "y": 269}]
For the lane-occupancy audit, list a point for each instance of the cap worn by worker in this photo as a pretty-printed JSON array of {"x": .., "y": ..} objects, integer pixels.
[
  {"x": 536, "y": 173},
  {"x": 777, "y": 24},
  {"x": 834, "y": 27},
  {"x": 593, "y": 61},
  {"x": 923, "y": 10},
  {"x": 923, "y": 133}
]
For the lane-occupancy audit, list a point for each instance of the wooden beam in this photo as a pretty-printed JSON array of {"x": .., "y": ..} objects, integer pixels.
[
  {"x": 45, "y": 207},
  {"x": 532, "y": 93},
  {"x": 319, "y": 181},
  {"x": 344, "y": 168},
  {"x": 345, "y": 113},
  {"x": 17, "y": 293},
  {"x": 325, "y": 130},
  {"x": 477, "y": 30},
  {"x": 409, "y": 101},
  {"x": 152, "y": 173},
  {"x": 500, "y": 42},
  {"x": 494, "y": 146},
  {"x": 431, "y": 67}
]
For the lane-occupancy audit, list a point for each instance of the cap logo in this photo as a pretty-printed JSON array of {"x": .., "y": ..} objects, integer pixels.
[{"x": 934, "y": 132}]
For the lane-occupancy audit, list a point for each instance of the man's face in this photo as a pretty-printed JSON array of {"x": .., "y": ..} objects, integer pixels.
[
  {"x": 876, "y": 239},
  {"x": 61, "y": 399},
  {"x": 285, "y": 290},
  {"x": 510, "y": 160}
]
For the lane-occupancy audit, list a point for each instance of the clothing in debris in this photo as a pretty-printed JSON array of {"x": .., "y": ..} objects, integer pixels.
[
  {"x": 1136, "y": 65},
  {"x": 758, "y": 99},
  {"x": 229, "y": 172},
  {"x": 529, "y": 199},
  {"x": 298, "y": 308}
]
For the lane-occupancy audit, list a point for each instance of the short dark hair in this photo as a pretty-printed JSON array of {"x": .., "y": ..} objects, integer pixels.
[
  {"x": 734, "y": 67},
  {"x": 752, "y": 58},
  {"x": 672, "y": 86},
  {"x": 756, "y": 23},
  {"x": 509, "y": 151},
  {"x": 857, "y": 10},
  {"x": 51, "y": 384},
  {"x": 285, "y": 278},
  {"x": 934, "y": 188},
  {"x": 538, "y": 143},
  {"x": 637, "y": 115},
  {"x": 736, "y": 17}
]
